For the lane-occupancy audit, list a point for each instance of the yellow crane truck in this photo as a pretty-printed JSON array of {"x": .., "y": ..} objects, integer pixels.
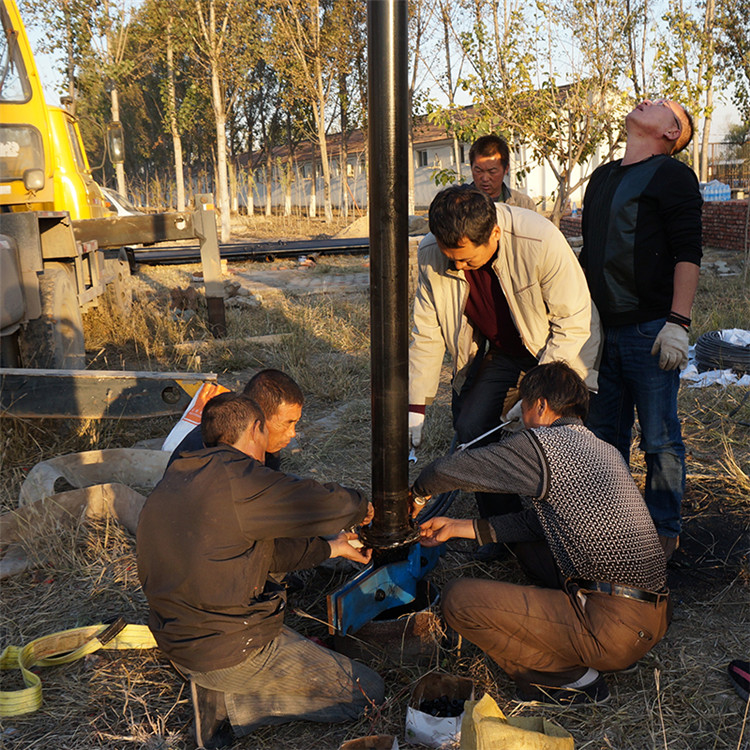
[
  {"x": 47, "y": 276},
  {"x": 61, "y": 250}
]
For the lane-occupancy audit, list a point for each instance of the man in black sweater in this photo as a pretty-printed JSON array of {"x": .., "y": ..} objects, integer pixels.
[
  {"x": 214, "y": 539},
  {"x": 641, "y": 256},
  {"x": 585, "y": 538}
]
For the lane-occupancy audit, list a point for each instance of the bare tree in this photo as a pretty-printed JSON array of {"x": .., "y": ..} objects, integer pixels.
[
  {"x": 302, "y": 56},
  {"x": 112, "y": 27},
  {"x": 225, "y": 47},
  {"x": 172, "y": 112}
]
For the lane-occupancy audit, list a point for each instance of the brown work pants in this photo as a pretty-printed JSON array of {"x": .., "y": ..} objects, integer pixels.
[{"x": 544, "y": 636}]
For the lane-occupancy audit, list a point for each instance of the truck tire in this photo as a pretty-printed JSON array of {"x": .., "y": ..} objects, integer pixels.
[
  {"x": 55, "y": 340},
  {"x": 119, "y": 294}
]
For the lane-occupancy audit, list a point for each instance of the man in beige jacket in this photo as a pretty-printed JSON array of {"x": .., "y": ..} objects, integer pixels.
[{"x": 502, "y": 290}]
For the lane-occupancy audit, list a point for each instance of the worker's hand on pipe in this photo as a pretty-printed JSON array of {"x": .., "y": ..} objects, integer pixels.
[
  {"x": 343, "y": 545},
  {"x": 441, "y": 529},
  {"x": 672, "y": 347},
  {"x": 369, "y": 516},
  {"x": 417, "y": 502},
  {"x": 416, "y": 422},
  {"x": 514, "y": 417}
]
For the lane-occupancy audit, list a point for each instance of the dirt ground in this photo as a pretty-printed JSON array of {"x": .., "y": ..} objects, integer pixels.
[{"x": 678, "y": 698}]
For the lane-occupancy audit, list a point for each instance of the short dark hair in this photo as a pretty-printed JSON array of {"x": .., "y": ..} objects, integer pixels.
[
  {"x": 560, "y": 386},
  {"x": 462, "y": 211},
  {"x": 270, "y": 388},
  {"x": 226, "y": 416},
  {"x": 490, "y": 145}
]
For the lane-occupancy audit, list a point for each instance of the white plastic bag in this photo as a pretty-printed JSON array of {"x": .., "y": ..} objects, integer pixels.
[{"x": 192, "y": 415}]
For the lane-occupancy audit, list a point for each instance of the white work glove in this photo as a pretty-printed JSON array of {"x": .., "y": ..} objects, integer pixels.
[
  {"x": 672, "y": 347},
  {"x": 416, "y": 422},
  {"x": 515, "y": 418}
]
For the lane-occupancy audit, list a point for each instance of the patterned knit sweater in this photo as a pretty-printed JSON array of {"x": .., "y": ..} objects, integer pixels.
[{"x": 580, "y": 497}]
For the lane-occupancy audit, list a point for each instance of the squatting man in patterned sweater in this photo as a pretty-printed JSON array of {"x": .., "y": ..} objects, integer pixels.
[
  {"x": 585, "y": 537},
  {"x": 214, "y": 539}
]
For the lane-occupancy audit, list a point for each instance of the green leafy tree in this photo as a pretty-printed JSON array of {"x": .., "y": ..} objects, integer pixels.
[
  {"x": 733, "y": 50},
  {"x": 66, "y": 27},
  {"x": 561, "y": 107},
  {"x": 687, "y": 61}
]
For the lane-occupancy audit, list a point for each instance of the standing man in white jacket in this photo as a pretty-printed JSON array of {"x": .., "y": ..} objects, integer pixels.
[{"x": 501, "y": 288}]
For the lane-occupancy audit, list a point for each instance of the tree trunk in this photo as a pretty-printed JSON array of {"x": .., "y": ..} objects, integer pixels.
[
  {"x": 319, "y": 111},
  {"x": 445, "y": 12},
  {"x": 71, "y": 63},
  {"x": 410, "y": 153},
  {"x": 457, "y": 157},
  {"x": 344, "y": 207},
  {"x": 233, "y": 199},
  {"x": 288, "y": 187},
  {"x": 344, "y": 198},
  {"x": 173, "y": 127},
  {"x": 313, "y": 210},
  {"x": 320, "y": 120},
  {"x": 269, "y": 181},
  {"x": 558, "y": 208},
  {"x": 250, "y": 185},
  {"x": 221, "y": 153},
  {"x": 291, "y": 172},
  {"x": 708, "y": 31}
]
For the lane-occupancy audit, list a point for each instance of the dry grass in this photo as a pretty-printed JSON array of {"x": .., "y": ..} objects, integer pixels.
[
  {"x": 289, "y": 227},
  {"x": 679, "y": 698}
]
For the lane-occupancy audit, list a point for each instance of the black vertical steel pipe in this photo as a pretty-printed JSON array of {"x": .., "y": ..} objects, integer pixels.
[{"x": 387, "y": 70}]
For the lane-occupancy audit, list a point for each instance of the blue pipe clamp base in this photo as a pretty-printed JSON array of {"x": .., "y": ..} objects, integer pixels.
[{"x": 373, "y": 591}]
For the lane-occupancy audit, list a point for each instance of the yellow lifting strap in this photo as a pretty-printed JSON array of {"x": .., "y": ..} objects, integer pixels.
[{"x": 63, "y": 647}]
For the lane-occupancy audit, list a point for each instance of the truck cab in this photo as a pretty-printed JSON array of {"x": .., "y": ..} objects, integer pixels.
[
  {"x": 25, "y": 142},
  {"x": 75, "y": 189},
  {"x": 47, "y": 277},
  {"x": 43, "y": 163}
]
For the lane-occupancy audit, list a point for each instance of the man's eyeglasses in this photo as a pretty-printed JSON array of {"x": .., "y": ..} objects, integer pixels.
[{"x": 665, "y": 103}]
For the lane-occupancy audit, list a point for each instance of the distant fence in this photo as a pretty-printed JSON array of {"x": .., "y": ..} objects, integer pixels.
[
  {"x": 726, "y": 225},
  {"x": 730, "y": 164}
]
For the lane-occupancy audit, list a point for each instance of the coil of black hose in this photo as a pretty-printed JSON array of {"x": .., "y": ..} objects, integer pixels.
[{"x": 712, "y": 353}]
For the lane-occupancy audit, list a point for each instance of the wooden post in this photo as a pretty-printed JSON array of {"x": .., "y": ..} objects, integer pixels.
[{"x": 205, "y": 229}]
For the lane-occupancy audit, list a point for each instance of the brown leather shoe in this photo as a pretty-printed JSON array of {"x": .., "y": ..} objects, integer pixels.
[{"x": 669, "y": 544}]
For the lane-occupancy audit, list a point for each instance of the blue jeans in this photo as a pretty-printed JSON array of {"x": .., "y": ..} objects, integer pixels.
[
  {"x": 630, "y": 379},
  {"x": 490, "y": 389}
]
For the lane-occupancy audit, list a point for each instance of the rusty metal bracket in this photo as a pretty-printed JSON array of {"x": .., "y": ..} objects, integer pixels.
[{"x": 97, "y": 394}]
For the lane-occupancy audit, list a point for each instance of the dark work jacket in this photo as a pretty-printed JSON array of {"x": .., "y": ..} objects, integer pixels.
[
  {"x": 193, "y": 441},
  {"x": 639, "y": 221},
  {"x": 209, "y": 537}
]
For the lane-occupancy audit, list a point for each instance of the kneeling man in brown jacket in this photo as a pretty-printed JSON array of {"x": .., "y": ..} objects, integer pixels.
[{"x": 214, "y": 540}]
